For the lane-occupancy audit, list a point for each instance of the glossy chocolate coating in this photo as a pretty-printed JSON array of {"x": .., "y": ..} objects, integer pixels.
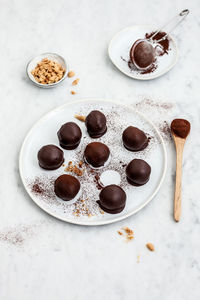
[
  {"x": 66, "y": 187},
  {"x": 50, "y": 157},
  {"x": 142, "y": 54},
  {"x": 69, "y": 136},
  {"x": 112, "y": 199},
  {"x": 96, "y": 124},
  {"x": 96, "y": 154},
  {"x": 138, "y": 172},
  {"x": 134, "y": 139}
]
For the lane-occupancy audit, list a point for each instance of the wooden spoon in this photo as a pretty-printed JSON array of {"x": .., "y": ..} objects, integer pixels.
[{"x": 180, "y": 129}]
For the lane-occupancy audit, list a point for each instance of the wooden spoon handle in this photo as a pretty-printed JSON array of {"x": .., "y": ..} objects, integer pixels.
[{"x": 177, "y": 194}]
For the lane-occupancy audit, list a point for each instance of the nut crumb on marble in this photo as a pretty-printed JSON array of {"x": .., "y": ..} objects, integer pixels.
[
  {"x": 150, "y": 246},
  {"x": 71, "y": 74},
  {"x": 119, "y": 232},
  {"x": 73, "y": 92},
  {"x": 128, "y": 230},
  {"x": 76, "y": 81},
  {"x": 138, "y": 258}
]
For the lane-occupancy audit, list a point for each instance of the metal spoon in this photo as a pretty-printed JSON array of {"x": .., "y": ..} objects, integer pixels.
[{"x": 172, "y": 24}]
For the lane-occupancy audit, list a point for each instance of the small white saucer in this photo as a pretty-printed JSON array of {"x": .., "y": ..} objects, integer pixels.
[
  {"x": 51, "y": 56},
  {"x": 121, "y": 44}
]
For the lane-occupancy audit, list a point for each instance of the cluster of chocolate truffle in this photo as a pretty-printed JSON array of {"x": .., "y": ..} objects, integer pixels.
[{"x": 112, "y": 198}]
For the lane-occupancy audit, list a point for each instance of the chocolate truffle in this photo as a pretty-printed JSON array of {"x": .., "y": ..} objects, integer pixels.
[
  {"x": 50, "y": 157},
  {"x": 142, "y": 54},
  {"x": 134, "y": 139},
  {"x": 69, "y": 136},
  {"x": 96, "y": 154},
  {"x": 66, "y": 187},
  {"x": 138, "y": 172},
  {"x": 96, "y": 124},
  {"x": 112, "y": 199}
]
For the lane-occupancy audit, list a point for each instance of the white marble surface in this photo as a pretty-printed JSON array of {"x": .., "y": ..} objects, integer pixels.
[{"x": 56, "y": 260}]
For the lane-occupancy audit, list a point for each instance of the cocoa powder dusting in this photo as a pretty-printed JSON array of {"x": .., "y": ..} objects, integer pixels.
[
  {"x": 180, "y": 128},
  {"x": 18, "y": 235},
  {"x": 164, "y": 44}
]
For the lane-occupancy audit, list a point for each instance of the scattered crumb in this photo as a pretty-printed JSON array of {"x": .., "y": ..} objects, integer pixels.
[
  {"x": 73, "y": 92},
  {"x": 138, "y": 258},
  {"x": 128, "y": 230},
  {"x": 80, "y": 118},
  {"x": 63, "y": 165},
  {"x": 74, "y": 169},
  {"x": 150, "y": 246},
  {"x": 80, "y": 164},
  {"x": 76, "y": 81},
  {"x": 70, "y": 74},
  {"x": 129, "y": 234}
]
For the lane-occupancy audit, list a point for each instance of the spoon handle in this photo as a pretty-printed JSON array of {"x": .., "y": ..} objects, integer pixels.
[
  {"x": 177, "y": 194},
  {"x": 172, "y": 24}
]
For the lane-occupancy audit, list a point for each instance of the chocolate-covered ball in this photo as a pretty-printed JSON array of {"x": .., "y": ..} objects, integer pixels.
[
  {"x": 112, "y": 199},
  {"x": 138, "y": 172},
  {"x": 96, "y": 154},
  {"x": 142, "y": 54},
  {"x": 50, "y": 157},
  {"x": 69, "y": 136},
  {"x": 134, "y": 139},
  {"x": 96, "y": 124},
  {"x": 66, "y": 187}
]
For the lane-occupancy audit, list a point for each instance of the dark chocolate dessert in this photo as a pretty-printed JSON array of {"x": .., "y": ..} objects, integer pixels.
[
  {"x": 66, "y": 187},
  {"x": 134, "y": 139},
  {"x": 69, "y": 136},
  {"x": 112, "y": 199},
  {"x": 96, "y": 154},
  {"x": 96, "y": 124},
  {"x": 142, "y": 54},
  {"x": 50, "y": 157},
  {"x": 138, "y": 172}
]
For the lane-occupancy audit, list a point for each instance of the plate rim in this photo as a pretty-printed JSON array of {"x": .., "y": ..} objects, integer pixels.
[
  {"x": 139, "y": 77},
  {"x": 101, "y": 222}
]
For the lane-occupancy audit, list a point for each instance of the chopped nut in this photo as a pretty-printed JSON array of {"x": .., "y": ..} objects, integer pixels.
[
  {"x": 76, "y": 81},
  {"x": 74, "y": 169},
  {"x": 128, "y": 230},
  {"x": 119, "y": 232},
  {"x": 80, "y": 164},
  {"x": 70, "y": 74},
  {"x": 138, "y": 258},
  {"x": 129, "y": 237},
  {"x": 73, "y": 92},
  {"x": 80, "y": 118},
  {"x": 150, "y": 246},
  {"x": 48, "y": 71}
]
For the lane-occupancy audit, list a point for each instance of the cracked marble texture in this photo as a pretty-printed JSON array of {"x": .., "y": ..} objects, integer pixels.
[{"x": 43, "y": 258}]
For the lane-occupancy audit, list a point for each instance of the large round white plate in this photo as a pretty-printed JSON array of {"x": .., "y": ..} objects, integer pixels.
[
  {"x": 121, "y": 44},
  {"x": 118, "y": 118}
]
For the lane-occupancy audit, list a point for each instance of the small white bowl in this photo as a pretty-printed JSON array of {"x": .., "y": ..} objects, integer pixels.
[{"x": 51, "y": 56}]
